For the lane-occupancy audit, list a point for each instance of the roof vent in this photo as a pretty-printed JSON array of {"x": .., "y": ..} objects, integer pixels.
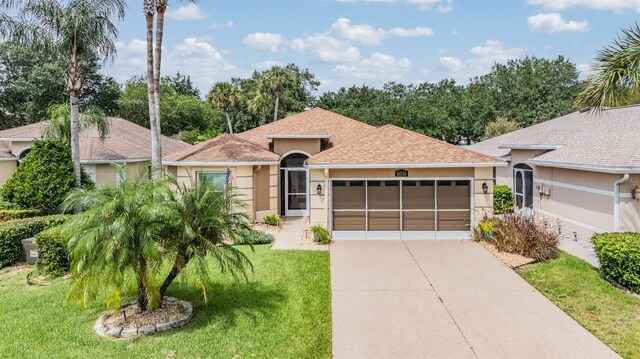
[{"x": 585, "y": 109}]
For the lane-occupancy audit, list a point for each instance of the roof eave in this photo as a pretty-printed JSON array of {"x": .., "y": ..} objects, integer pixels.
[
  {"x": 404, "y": 165},
  {"x": 120, "y": 160},
  {"x": 295, "y": 136},
  {"x": 530, "y": 146},
  {"x": 218, "y": 163},
  {"x": 586, "y": 167}
]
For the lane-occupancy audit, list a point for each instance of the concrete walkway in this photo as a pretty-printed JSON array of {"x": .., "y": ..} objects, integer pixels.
[
  {"x": 443, "y": 299},
  {"x": 581, "y": 250},
  {"x": 290, "y": 236}
]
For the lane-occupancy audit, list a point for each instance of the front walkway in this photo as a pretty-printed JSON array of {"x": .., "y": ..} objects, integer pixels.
[
  {"x": 290, "y": 236},
  {"x": 443, "y": 299}
]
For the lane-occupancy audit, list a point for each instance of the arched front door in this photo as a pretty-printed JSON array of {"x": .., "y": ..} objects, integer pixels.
[{"x": 294, "y": 185}]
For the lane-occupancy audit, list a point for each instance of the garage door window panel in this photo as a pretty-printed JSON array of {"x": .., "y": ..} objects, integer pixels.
[
  {"x": 454, "y": 204},
  {"x": 418, "y": 204},
  {"x": 349, "y": 204}
]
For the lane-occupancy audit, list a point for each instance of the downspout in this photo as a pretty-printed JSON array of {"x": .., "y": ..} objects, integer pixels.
[
  {"x": 616, "y": 203},
  {"x": 326, "y": 196},
  {"x": 253, "y": 202}
]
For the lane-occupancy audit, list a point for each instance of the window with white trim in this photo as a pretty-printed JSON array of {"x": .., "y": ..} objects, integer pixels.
[{"x": 216, "y": 180}]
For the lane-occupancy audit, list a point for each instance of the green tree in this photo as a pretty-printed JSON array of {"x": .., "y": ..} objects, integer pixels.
[
  {"x": 617, "y": 73},
  {"x": 78, "y": 29},
  {"x": 533, "y": 90},
  {"x": 31, "y": 81},
  {"x": 59, "y": 126},
  {"x": 44, "y": 178},
  {"x": 499, "y": 127},
  {"x": 182, "y": 85},
  {"x": 277, "y": 79},
  {"x": 114, "y": 238},
  {"x": 204, "y": 221},
  {"x": 225, "y": 96}
]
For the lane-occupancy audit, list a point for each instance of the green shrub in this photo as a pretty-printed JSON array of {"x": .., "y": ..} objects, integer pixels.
[
  {"x": 13, "y": 232},
  {"x": 7, "y": 205},
  {"x": 257, "y": 237},
  {"x": 518, "y": 234},
  {"x": 502, "y": 199},
  {"x": 44, "y": 178},
  {"x": 53, "y": 257},
  {"x": 320, "y": 234},
  {"x": 273, "y": 220},
  {"x": 619, "y": 256},
  {"x": 9, "y": 214}
]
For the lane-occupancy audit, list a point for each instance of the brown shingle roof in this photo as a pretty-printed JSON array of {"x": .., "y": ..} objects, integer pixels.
[
  {"x": 316, "y": 121},
  {"x": 390, "y": 144},
  {"x": 125, "y": 140},
  {"x": 224, "y": 148}
]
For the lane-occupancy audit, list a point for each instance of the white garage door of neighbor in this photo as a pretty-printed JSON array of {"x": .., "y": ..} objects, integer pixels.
[{"x": 401, "y": 209}]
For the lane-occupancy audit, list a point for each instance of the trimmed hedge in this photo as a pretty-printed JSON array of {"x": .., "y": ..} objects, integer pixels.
[
  {"x": 53, "y": 257},
  {"x": 502, "y": 199},
  {"x": 619, "y": 256},
  {"x": 13, "y": 232},
  {"x": 9, "y": 214},
  {"x": 257, "y": 237}
]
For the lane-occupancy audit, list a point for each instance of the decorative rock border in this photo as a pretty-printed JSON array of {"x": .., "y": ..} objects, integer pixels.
[{"x": 131, "y": 331}]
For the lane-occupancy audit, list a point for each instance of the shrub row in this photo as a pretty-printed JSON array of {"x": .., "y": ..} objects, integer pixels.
[
  {"x": 257, "y": 237},
  {"x": 518, "y": 234},
  {"x": 53, "y": 256},
  {"x": 619, "y": 256},
  {"x": 13, "y": 232},
  {"x": 9, "y": 214}
]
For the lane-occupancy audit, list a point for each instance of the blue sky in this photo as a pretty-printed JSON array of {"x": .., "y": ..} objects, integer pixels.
[{"x": 347, "y": 42}]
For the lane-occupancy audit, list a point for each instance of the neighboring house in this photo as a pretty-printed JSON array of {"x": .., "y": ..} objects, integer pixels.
[
  {"x": 125, "y": 143},
  {"x": 357, "y": 180},
  {"x": 580, "y": 172}
]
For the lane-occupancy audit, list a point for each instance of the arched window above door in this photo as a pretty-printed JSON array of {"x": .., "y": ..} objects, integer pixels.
[{"x": 293, "y": 160}]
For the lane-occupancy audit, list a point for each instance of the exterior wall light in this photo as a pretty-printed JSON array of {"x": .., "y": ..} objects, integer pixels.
[
  {"x": 485, "y": 188},
  {"x": 319, "y": 189}
]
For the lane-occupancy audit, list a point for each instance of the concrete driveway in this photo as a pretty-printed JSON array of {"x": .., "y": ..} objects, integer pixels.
[{"x": 443, "y": 299}]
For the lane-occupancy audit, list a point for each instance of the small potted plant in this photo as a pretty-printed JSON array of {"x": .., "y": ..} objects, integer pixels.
[{"x": 320, "y": 234}]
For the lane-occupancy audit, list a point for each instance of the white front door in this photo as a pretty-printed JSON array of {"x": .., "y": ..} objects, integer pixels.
[{"x": 296, "y": 196}]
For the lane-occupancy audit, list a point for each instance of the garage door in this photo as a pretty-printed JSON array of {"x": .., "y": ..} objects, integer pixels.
[{"x": 401, "y": 209}]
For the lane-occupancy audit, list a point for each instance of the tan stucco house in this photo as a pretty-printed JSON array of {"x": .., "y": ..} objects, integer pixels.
[
  {"x": 359, "y": 181},
  {"x": 580, "y": 173},
  {"x": 126, "y": 143}
]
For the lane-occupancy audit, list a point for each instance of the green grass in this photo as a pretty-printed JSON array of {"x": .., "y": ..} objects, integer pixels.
[
  {"x": 577, "y": 288},
  {"x": 283, "y": 312}
]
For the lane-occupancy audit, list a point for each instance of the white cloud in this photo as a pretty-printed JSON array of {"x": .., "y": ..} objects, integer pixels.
[
  {"x": 424, "y": 4},
  {"x": 264, "y": 41},
  {"x": 450, "y": 63},
  {"x": 481, "y": 59},
  {"x": 264, "y": 65},
  {"x": 445, "y": 8},
  {"x": 378, "y": 66},
  {"x": 553, "y": 22},
  {"x": 222, "y": 25},
  {"x": 327, "y": 48},
  {"x": 196, "y": 57},
  {"x": 585, "y": 70},
  {"x": 369, "y": 35},
  {"x": 187, "y": 12},
  {"x": 617, "y": 6}
]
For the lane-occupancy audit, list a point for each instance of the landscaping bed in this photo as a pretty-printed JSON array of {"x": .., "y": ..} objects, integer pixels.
[
  {"x": 577, "y": 288},
  {"x": 284, "y": 311}
]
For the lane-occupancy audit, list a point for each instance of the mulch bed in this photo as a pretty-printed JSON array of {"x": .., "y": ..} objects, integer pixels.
[
  {"x": 510, "y": 260},
  {"x": 170, "y": 311}
]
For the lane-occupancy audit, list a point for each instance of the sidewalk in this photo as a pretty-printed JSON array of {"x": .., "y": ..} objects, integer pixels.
[{"x": 290, "y": 236}]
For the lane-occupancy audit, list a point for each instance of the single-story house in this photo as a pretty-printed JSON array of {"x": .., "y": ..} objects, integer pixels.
[
  {"x": 579, "y": 172},
  {"x": 126, "y": 143},
  {"x": 357, "y": 180}
]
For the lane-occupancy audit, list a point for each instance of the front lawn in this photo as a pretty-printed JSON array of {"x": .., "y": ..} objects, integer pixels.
[
  {"x": 283, "y": 312},
  {"x": 578, "y": 289}
]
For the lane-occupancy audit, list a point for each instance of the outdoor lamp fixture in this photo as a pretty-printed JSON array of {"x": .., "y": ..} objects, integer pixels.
[
  {"x": 319, "y": 189},
  {"x": 485, "y": 188}
]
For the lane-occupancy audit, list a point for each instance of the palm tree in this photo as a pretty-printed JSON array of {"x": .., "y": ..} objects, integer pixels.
[
  {"x": 617, "y": 73},
  {"x": 59, "y": 126},
  {"x": 277, "y": 79},
  {"x": 114, "y": 238},
  {"x": 225, "y": 95},
  {"x": 77, "y": 28},
  {"x": 260, "y": 104},
  {"x": 205, "y": 221}
]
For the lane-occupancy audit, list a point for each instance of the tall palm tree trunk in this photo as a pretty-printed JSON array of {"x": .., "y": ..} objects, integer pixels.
[
  {"x": 74, "y": 80},
  {"x": 143, "y": 302},
  {"x": 156, "y": 152},
  {"x": 161, "y": 8},
  {"x": 229, "y": 124},
  {"x": 275, "y": 110}
]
